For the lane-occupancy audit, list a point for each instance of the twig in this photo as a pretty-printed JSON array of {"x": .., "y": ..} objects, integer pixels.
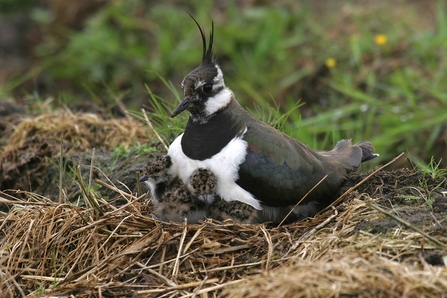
[
  {"x": 200, "y": 286},
  {"x": 153, "y": 129},
  {"x": 180, "y": 287},
  {"x": 118, "y": 100},
  {"x": 313, "y": 231},
  {"x": 217, "y": 287},
  {"x": 299, "y": 202},
  {"x": 179, "y": 253},
  {"x": 14, "y": 281},
  {"x": 61, "y": 172},
  {"x": 161, "y": 276},
  {"x": 360, "y": 183},
  {"x": 268, "y": 237},
  {"x": 114, "y": 231},
  {"x": 91, "y": 169},
  {"x": 43, "y": 278},
  {"x": 197, "y": 233},
  {"x": 115, "y": 189},
  {"x": 321, "y": 225},
  {"x": 226, "y": 249},
  {"x": 407, "y": 224},
  {"x": 234, "y": 267},
  {"x": 162, "y": 260},
  {"x": 7, "y": 201}
]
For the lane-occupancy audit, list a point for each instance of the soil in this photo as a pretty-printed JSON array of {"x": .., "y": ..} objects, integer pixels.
[{"x": 415, "y": 197}]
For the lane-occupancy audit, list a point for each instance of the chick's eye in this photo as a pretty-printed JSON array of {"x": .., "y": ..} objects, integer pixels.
[{"x": 207, "y": 88}]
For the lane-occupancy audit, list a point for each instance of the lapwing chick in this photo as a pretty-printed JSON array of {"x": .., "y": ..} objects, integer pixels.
[
  {"x": 203, "y": 183},
  {"x": 173, "y": 201},
  {"x": 253, "y": 162},
  {"x": 237, "y": 211},
  {"x": 156, "y": 176}
]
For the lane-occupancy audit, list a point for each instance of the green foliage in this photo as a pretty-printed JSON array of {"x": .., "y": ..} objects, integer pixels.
[
  {"x": 110, "y": 49},
  {"x": 160, "y": 114},
  {"x": 121, "y": 152},
  {"x": 392, "y": 93},
  {"x": 13, "y": 6},
  {"x": 431, "y": 171},
  {"x": 272, "y": 114}
]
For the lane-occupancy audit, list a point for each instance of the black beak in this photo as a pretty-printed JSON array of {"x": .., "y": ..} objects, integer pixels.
[
  {"x": 181, "y": 107},
  {"x": 143, "y": 178}
]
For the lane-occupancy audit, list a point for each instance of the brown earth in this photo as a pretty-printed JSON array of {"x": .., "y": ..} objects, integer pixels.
[{"x": 385, "y": 239}]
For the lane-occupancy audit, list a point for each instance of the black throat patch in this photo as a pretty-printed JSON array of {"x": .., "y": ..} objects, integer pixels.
[{"x": 203, "y": 140}]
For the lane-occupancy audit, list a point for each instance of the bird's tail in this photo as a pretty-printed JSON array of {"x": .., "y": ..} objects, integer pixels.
[
  {"x": 367, "y": 151},
  {"x": 350, "y": 156}
]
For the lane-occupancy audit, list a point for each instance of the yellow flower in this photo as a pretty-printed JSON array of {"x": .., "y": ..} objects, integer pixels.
[
  {"x": 330, "y": 62},
  {"x": 380, "y": 39}
]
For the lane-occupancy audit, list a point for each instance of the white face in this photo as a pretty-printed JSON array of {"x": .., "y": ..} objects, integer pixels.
[
  {"x": 217, "y": 83},
  {"x": 219, "y": 101},
  {"x": 205, "y": 92},
  {"x": 222, "y": 98}
]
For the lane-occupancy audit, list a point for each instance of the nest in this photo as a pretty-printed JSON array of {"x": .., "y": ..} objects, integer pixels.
[
  {"x": 56, "y": 249},
  {"x": 100, "y": 249}
]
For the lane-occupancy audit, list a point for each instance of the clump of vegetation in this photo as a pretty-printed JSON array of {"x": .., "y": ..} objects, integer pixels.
[{"x": 432, "y": 171}]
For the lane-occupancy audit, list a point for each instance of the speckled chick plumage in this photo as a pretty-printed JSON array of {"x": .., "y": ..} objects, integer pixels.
[{"x": 173, "y": 200}]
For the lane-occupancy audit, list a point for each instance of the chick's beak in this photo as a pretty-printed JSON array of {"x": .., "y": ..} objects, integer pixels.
[{"x": 208, "y": 198}]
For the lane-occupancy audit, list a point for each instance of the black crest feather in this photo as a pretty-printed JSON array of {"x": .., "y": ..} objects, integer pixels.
[{"x": 207, "y": 56}]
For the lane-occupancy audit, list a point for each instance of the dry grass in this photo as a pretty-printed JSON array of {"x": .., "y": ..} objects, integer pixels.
[
  {"x": 36, "y": 142},
  {"x": 80, "y": 132},
  {"x": 58, "y": 249},
  {"x": 49, "y": 248}
]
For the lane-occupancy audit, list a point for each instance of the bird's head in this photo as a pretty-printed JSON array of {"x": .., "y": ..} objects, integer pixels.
[
  {"x": 204, "y": 88},
  {"x": 157, "y": 169},
  {"x": 204, "y": 184}
]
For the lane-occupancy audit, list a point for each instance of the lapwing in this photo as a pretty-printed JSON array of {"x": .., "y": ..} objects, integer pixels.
[{"x": 253, "y": 162}]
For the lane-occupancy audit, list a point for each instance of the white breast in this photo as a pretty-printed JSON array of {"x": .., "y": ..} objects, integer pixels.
[{"x": 225, "y": 165}]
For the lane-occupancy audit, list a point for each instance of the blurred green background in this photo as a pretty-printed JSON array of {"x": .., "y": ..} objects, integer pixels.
[{"x": 319, "y": 70}]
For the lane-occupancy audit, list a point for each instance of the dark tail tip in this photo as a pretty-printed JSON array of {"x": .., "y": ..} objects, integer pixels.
[
  {"x": 367, "y": 151},
  {"x": 143, "y": 178}
]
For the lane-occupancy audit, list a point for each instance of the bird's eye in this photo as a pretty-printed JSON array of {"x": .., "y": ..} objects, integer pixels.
[{"x": 207, "y": 88}]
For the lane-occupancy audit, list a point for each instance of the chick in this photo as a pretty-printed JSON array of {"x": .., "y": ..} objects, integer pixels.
[
  {"x": 173, "y": 200},
  {"x": 237, "y": 211},
  {"x": 204, "y": 182}
]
